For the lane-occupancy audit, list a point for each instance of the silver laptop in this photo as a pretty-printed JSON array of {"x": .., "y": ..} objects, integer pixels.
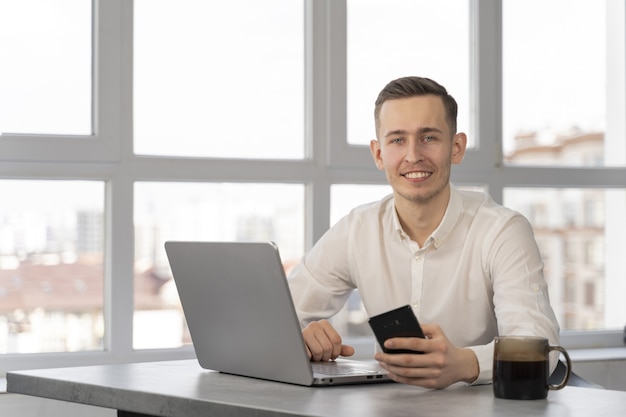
[{"x": 241, "y": 316}]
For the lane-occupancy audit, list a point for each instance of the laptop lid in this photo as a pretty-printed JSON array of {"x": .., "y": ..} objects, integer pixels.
[{"x": 241, "y": 316}]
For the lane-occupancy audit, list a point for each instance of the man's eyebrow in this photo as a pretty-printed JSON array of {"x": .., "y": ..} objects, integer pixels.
[
  {"x": 395, "y": 133},
  {"x": 420, "y": 131},
  {"x": 429, "y": 130}
]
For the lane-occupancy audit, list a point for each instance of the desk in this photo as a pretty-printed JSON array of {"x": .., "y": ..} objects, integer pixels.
[{"x": 183, "y": 389}]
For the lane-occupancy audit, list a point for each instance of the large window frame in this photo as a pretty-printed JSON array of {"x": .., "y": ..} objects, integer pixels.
[{"x": 107, "y": 155}]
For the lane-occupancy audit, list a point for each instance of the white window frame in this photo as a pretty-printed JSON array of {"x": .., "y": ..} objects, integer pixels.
[{"x": 107, "y": 155}]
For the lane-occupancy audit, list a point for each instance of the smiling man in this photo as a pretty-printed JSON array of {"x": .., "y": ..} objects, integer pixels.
[
  {"x": 469, "y": 268},
  {"x": 416, "y": 148}
]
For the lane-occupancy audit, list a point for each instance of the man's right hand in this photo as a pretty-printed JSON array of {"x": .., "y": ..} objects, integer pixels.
[{"x": 323, "y": 343}]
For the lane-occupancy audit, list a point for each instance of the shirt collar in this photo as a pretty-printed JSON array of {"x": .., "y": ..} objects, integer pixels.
[{"x": 442, "y": 231}]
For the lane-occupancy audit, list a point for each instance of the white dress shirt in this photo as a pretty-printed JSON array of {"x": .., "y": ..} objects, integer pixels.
[{"x": 478, "y": 275}]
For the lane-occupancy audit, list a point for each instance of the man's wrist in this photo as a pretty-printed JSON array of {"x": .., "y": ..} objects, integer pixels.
[{"x": 473, "y": 368}]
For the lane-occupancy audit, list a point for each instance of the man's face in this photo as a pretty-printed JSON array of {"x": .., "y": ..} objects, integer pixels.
[{"x": 415, "y": 147}]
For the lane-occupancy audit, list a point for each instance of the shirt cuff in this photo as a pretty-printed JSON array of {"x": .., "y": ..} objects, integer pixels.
[{"x": 484, "y": 355}]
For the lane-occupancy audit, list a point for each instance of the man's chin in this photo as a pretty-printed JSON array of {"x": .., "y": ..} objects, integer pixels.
[
  {"x": 422, "y": 195},
  {"x": 418, "y": 198}
]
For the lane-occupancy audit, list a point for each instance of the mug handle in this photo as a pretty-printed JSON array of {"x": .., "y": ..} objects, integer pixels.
[{"x": 569, "y": 368}]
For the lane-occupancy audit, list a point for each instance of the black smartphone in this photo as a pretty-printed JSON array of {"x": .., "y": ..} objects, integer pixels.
[{"x": 400, "y": 322}]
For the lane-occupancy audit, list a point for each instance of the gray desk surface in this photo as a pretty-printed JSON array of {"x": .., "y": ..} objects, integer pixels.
[{"x": 183, "y": 389}]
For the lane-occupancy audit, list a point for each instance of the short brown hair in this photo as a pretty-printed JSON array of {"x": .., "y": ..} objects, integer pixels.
[{"x": 417, "y": 86}]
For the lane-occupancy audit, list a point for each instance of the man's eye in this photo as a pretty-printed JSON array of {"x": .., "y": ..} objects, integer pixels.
[
  {"x": 429, "y": 138},
  {"x": 396, "y": 140}
]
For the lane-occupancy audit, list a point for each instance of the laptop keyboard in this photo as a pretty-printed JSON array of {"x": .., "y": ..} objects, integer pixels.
[{"x": 336, "y": 369}]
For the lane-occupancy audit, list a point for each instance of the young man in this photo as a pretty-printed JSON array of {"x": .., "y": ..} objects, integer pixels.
[{"x": 469, "y": 268}]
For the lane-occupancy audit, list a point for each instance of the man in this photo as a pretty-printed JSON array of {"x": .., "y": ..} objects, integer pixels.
[{"x": 469, "y": 268}]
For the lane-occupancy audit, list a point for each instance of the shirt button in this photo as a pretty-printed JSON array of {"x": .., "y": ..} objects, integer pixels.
[{"x": 415, "y": 304}]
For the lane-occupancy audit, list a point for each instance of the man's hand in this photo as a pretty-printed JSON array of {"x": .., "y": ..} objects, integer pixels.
[
  {"x": 441, "y": 364},
  {"x": 323, "y": 343}
]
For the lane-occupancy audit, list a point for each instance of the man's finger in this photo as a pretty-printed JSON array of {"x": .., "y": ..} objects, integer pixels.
[{"x": 347, "y": 350}]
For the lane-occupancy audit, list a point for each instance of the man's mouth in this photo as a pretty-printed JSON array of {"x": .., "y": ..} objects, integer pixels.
[{"x": 417, "y": 175}]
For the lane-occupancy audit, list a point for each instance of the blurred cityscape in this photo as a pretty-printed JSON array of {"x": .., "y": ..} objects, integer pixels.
[
  {"x": 569, "y": 225},
  {"x": 51, "y": 299},
  {"x": 51, "y": 283}
]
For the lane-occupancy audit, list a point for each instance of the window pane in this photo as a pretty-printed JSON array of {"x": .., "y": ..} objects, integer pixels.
[
  {"x": 202, "y": 211},
  {"x": 397, "y": 38},
  {"x": 555, "y": 84},
  {"x": 51, "y": 266},
  {"x": 219, "y": 79},
  {"x": 45, "y": 76},
  {"x": 581, "y": 234}
]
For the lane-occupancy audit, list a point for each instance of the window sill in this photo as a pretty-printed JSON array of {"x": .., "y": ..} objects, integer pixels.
[{"x": 598, "y": 354}]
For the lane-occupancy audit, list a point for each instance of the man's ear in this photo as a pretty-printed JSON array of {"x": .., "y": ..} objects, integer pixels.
[
  {"x": 375, "y": 149},
  {"x": 459, "y": 143}
]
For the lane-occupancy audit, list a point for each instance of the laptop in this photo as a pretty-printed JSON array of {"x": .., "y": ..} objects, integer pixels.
[{"x": 242, "y": 319}]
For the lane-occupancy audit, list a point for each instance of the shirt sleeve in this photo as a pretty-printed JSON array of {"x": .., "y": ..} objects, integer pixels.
[
  {"x": 320, "y": 284},
  {"x": 484, "y": 356},
  {"x": 520, "y": 293}
]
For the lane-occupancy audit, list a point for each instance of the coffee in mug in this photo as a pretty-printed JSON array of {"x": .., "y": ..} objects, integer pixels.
[{"x": 521, "y": 367}]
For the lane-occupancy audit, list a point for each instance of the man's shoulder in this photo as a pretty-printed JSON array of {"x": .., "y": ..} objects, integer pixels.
[
  {"x": 366, "y": 219},
  {"x": 480, "y": 204},
  {"x": 374, "y": 208},
  {"x": 370, "y": 217}
]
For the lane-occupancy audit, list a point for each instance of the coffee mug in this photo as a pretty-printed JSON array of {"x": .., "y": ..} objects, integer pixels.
[{"x": 521, "y": 367}]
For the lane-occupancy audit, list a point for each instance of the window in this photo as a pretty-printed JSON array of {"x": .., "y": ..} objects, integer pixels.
[
  {"x": 51, "y": 266},
  {"x": 574, "y": 247},
  {"x": 392, "y": 39},
  {"x": 556, "y": 94},
  {"x": 558, "y": 101},
  {"x": 129, "y": 133},
  {"x": 226, "y": 79},
  {"x": 46, "y": 55},
  {"x": 201, "y": 211}
]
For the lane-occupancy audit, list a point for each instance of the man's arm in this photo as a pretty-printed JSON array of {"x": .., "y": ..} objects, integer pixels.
[
  {"x": 520, "y": 292},
  {"x": 320, "y": 283}
]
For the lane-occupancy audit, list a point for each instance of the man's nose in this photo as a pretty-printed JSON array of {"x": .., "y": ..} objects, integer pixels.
[{"x": 413, "y": 152}]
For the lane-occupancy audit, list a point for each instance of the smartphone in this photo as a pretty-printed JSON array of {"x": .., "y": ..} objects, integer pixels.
[{"x": 400, "y": 322}]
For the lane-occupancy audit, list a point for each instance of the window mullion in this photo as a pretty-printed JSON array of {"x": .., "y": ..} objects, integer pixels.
[{"x": 113, "y": 124}]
